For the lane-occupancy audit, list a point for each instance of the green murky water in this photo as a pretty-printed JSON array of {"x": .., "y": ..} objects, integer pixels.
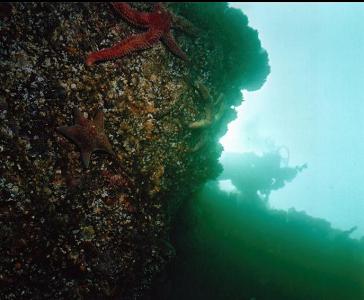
[{"x": 233, "y": 246}]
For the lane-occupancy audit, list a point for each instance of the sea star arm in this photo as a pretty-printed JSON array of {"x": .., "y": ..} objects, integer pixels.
[
  {"x": 85, "y": 157},
  {"x": 131, "y": 15},
  {"x": 73, "y": 133},
  {"x": 79, "y": 118},
  {"x": 125, "y": 47},
  {"x": 99, "y": 120},
  {"x": 209, "y": 111},
  {"x": 201, "y": 142},
  {"x": 221, "y": 110},
  {"x": 171, "y": 44},
  {"x": 104, "y": 145},
  {"x": 202, "y": 123},
  {"x": 184, "y": 25}
]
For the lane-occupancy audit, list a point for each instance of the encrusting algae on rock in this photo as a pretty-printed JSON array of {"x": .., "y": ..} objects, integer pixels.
[{"x": 70, "y": 232}]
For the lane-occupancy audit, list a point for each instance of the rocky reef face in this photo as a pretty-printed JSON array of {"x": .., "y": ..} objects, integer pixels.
[{"x": 70, "y": 232}]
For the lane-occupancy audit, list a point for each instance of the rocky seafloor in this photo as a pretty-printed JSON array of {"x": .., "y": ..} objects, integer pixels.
[{"x": 102, "y": 232}]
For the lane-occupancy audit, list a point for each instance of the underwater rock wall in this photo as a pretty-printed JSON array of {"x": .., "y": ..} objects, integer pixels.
[{"x": 98, "y": 227}]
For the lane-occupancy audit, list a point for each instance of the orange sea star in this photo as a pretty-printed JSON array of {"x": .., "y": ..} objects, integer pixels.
[{"x": 158, "y": 22}]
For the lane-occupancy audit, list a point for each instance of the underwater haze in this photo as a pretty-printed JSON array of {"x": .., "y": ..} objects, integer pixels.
[
  {"x": 312, "y": 104},
  {"x": 284, "y": 220},
  {"x": 230, "y": 247}
]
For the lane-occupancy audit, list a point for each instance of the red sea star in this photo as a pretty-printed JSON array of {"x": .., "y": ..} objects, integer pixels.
[
  {"x": 158, "y": 22},
  {"x": 88, "y": 135}
]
